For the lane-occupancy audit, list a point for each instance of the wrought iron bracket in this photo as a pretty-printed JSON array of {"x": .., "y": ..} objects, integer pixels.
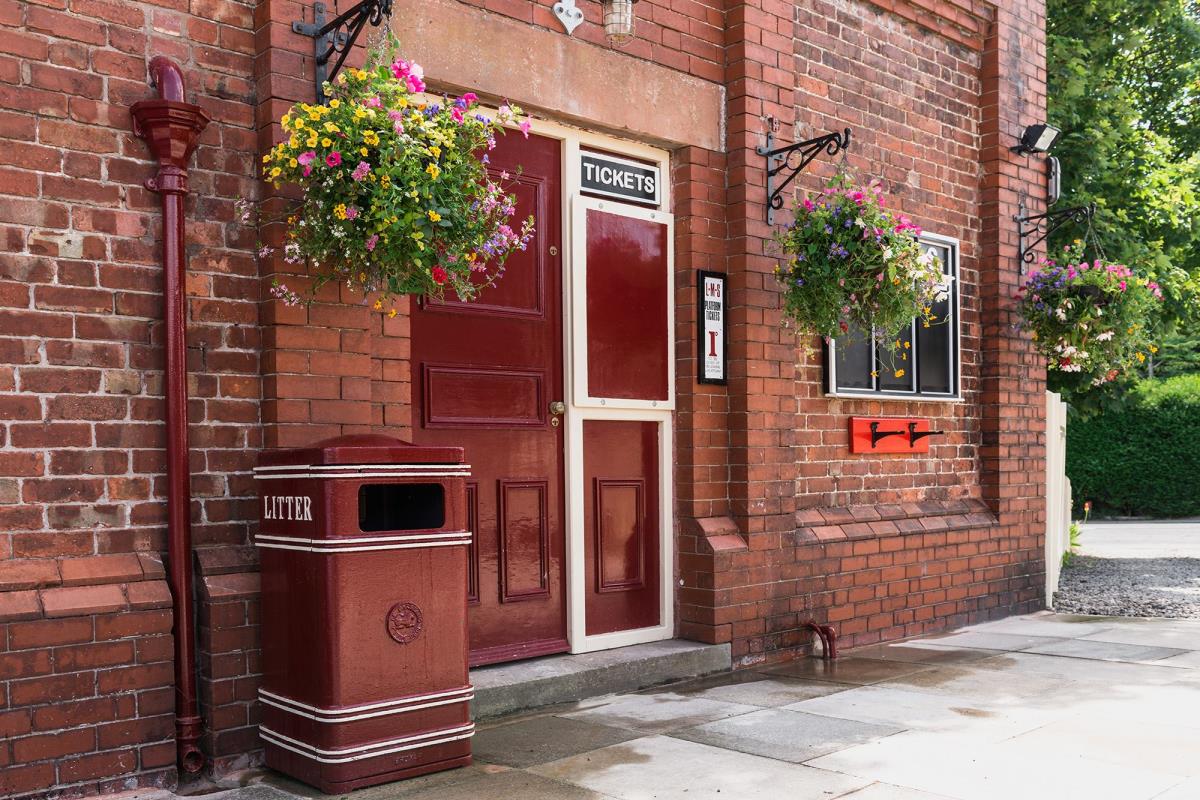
[
  {"x": 794, "y": 158},
  {"x": 1042, "y": 225},
  {"x": 337, "y": 36}
]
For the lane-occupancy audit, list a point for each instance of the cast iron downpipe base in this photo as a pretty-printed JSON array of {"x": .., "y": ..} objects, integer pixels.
[
  {"x": 828, "y": 637},
  {"x": 171, "y": 128}
]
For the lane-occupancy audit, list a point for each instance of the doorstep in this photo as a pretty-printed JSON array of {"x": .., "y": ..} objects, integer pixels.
[{"x": 521, "y": 685}]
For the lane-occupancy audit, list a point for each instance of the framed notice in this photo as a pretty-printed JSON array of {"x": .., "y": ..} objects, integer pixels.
[
  {"x": 711, "y": 328},
  {"x": 619, "y": 178}
]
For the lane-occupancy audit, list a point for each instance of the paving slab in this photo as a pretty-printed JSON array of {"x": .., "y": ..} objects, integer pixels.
[
  {"x": 659, "y": 713},
  {"x": 961, "y": 715},
  {"x": 752, "y": 688},
  {"x": 849, "y": 670},
  {"x": 540, "y": 739},
  {"x": 1156, "y": 746},
  {"x": 1105, "y": 651},
  {"x": 938, "y": 764},
  {"x": 1168, "y": 634},
  {"x": 886, "y": 791},
  {"x": 785, "y": 735},
  {"x": 1045, "y": 624},
  {"x": 502, "y": 784},
  {"x": 913, "y": 653},
  {"x": 666, "y": 768},
  {"x": 987, "y": 640}
]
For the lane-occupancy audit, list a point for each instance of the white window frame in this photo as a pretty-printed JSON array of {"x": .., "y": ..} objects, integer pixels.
[{"x": 954, "y": 396}]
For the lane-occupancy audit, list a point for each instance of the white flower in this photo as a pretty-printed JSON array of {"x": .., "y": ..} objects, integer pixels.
[{"x": 1104, "y": 337}]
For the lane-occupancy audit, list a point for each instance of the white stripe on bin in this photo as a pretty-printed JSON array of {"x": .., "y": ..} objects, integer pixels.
[
  {"x": 364, "y": 548},
  {"x": 372, "y": 750},
  {"x": 353, "y": 713}
]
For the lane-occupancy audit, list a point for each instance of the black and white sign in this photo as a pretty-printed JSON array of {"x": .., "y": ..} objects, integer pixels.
[
  {"x": 609, "y": 176},
  {"x": 710, "y": 302}
]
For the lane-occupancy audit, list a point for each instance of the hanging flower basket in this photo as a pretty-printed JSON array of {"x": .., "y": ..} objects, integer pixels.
[
  {"x": 849, "y": 262},
  {"x": 396, "y": 196},
  {"x": 1091, "y": 321}
]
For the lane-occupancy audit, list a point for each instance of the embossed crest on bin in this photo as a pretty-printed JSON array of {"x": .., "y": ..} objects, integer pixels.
[{"x": 404, "y": 622}]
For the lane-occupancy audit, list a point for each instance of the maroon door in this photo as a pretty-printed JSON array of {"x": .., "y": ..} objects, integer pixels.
[{"x": 485, "y": 374}]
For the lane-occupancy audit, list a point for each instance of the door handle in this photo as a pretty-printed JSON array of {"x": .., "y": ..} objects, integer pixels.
[{"x": 557, "y": 409}]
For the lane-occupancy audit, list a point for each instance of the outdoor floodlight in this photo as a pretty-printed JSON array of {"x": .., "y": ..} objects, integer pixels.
[
  {"x": 1037, "y": 139},
  {"x": 618, "y": 22},
  {"x": 1054, "y": 180}
]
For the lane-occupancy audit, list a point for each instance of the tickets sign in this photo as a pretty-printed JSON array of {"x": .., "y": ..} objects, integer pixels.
[{"x": 610, "y": 176}]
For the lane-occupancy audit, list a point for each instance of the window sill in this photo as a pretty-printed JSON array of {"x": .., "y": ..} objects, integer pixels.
[{"x": 907, "y": 398}]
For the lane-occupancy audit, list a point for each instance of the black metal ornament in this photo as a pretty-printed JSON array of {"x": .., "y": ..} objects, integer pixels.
[
  {"x": 1042, "y": 225},
  {"x": 794, "y": 158},
  {"x": 330, "y": 38}
]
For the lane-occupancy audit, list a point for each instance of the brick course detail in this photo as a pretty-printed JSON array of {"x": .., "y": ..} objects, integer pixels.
[{"x": 776, "y": 523}]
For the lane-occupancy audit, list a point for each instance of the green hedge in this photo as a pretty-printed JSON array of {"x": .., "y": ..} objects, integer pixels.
[{"x": 1143, "y": 459}]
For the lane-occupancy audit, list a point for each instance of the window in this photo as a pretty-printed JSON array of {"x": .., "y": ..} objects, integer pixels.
[{"x": 926, "y": 363}]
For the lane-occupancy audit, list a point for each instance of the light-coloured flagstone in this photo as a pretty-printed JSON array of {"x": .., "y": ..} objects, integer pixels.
[{"x": 665, "y": 768}]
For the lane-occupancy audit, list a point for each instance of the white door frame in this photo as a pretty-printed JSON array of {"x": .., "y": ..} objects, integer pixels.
[{"x": 580, "y": 407}]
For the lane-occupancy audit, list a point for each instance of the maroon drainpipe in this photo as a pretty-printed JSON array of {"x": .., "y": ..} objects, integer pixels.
[{"x": 171, "y": 127}]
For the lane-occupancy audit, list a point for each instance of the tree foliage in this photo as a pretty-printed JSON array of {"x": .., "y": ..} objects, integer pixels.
[{"x": 1124, "y": 86}]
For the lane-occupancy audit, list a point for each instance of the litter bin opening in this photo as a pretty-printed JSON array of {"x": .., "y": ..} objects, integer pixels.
[{"x": 401, "y": 506}]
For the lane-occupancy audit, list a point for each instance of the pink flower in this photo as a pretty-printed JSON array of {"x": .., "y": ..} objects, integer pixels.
[
  {"x": 400, "y": 68},
  {"x": 333, "y": 159},
  {"x": 373, "y": 102},
  {"x": 525, "y": 126},
  {"x": 1122, "y": 285},
  {"x": 809, "y": 205},
  {"x": 456, "y": 114},
  {"x": 439, "y": 275},
  {"x": 361, "y": 171},
  {"x": 469, "y": 97},
  {"x": 415, "y": 84},
  {"x": 372, "y": 240},
  {"x": 352, "y": 212},
  {"x": 304, "y": 159}
]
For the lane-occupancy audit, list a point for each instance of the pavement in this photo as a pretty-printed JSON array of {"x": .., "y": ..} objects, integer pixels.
[
  {"x": 1042, "y": 706},
  {"x": 1142, "y": 539}
]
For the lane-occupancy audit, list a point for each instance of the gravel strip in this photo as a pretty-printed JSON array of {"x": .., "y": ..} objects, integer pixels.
[{"x": 1130, "y": 587}]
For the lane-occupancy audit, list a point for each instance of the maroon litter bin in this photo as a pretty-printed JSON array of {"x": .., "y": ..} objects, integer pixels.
[{"x": 363, "y": 545}]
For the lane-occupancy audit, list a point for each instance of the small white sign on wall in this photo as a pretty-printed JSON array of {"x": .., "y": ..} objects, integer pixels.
[
  {"x": 619, "y": 178},
  {"x": 710, "y": 303}
]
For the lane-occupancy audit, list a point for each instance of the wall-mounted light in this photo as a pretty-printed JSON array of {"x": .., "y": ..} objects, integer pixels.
[
  {"x": 1037, "y": 139},
  {"x": 618, "y": 22}
]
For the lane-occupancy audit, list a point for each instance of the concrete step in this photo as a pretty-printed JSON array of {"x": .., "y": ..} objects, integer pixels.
[{"x": 521, "y": 685}]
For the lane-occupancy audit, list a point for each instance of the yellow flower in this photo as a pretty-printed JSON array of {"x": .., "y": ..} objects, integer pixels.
[
  {"x": 331, "y": 128},
  {"x": 435, "y": 216},
  {"x": 312, "y": 141},
  {"x": 293, "y": 141},
  {"x": 339, "y": 211},
  {"x": 1153, "y": 349},
  {"x": 1033, "y": 335},
  {"x": 326, "y": 142},
  {"x": 360, "y": 112},
  {"x": 907, "y": 345},
  {"x": 285, "y": 120},
  {"x": 899, "y": 373},
  {"x": 362, "y": 276},
  {"x": 314, "y": 115},
  {"x": 435, "y": 151},
  {"x": 292, "y": 219},
  {"x": 363, "y": 151},
  {"x": 417, "y": 236},
  {"x": 292, "y": 163},
  {"x": 874, "y": 373},
  {"x": 275, "y": 172},
  {"x": 371, "y": 138},
  {"x": 433, "y": 171},
  {"x": 334, "y": 103},
  {"x": 402, "y": 102},
  {"x": 360, "y": 74},
  {"x": 378, "y": 304},
  {"x": 470, "y": 256},
  {"x": 1141, "y": 358},
  {"x": 392, "y": 314}
]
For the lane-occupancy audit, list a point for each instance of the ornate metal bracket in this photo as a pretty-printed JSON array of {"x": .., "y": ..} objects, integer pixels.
[
  {"x": 330, "y": 38},
  {"x": 794, "y": 158},
  {"x": 1042, "y": 225}
]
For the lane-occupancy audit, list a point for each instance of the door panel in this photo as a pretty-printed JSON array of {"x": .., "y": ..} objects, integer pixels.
[
  {"x": 621, "y": 514},
  {"x": 484, "y": 375}
]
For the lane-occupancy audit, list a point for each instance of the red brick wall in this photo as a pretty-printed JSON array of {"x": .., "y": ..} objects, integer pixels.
[
  {"x": 81, "y": 438},
  {"x": 777, "y": 524}
]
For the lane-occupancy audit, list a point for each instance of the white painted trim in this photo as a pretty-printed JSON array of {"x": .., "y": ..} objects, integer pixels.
[
  {"x": 579, "y": 208},
  {"x": 373, "y": 750},
  {"x": 356, "y": 475},
  {"x": 355, "y": 713},
  {"x": 347, "y": 467},
  {"x": 366, "y": 539},
  {"x": 363, "y": 549}
]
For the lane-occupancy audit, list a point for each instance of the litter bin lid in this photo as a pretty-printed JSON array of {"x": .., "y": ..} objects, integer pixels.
[{"x": 361, "y": 449}]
